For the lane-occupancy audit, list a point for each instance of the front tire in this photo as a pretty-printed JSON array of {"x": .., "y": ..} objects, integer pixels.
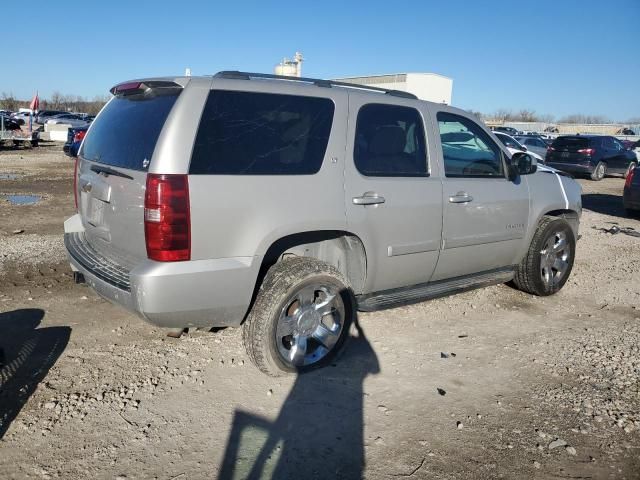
[
  {"x": 300, "y": 319},
  {"x": 599, "y": 172},
  {"x": 548, "y": 263}
]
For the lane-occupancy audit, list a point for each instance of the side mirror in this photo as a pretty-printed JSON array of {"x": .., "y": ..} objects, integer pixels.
[
  {"x": 522, "y": 164},
  {"x": 524, "y": 149}
]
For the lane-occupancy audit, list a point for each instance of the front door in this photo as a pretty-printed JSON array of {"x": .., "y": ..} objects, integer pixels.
[
  {"x": 393, "y": 192},
  {"x": 485, "y": 214}
]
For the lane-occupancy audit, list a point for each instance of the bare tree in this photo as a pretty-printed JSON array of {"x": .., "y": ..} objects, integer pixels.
[
  {"x": 582, "y": 118},
  {"x": 55, "y": 102},
  {"x": 525, "y": 115},
  {"x": 9, "y": 102}
]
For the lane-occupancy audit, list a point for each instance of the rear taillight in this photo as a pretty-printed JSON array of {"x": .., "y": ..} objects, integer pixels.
[
  {"x": 75, "y": 182},
  {"x": 587, "y": 151},
  {"x": 79, "y": 136},
  {"x": 167, "y": 222},
  {"x": 629, "y": 179}
]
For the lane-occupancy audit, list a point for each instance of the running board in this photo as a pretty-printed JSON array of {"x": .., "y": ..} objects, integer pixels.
[{"x": 426, "y": 291}]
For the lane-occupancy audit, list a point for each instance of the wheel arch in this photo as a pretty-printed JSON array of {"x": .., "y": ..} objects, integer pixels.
[
  {"x": 571, "y": 216},
  {"x": 344, "y": 250}
]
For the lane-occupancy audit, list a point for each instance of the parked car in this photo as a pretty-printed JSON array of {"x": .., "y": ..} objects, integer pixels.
[
  {"x": 44, "y": 115},
  {"x": 514, "y": 146},
  {"x": 508, "y": 130},
  {"x": 593, "y": 155},
  {"x": 283, "y": 207},
  {"x": 534, "y": 144},
  {"x": 9, "y": 123},
  {"x": 631, "y": 192},
  {"x": 75, "y": 135},
  {"x": 625, "y": 131},
  {"x": 21, "y": 118},
  {"x": 67, "y": 119}
]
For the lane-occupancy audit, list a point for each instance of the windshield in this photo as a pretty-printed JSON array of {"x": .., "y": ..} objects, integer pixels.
[{"x": 509, "y": 142}]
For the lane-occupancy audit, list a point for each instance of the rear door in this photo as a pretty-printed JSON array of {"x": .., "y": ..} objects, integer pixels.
[
  {"x": 393, "y": 191},
  {"x": 113, "y": 163},
  {"x": 485, "y": 214},
  {"x": 618, "y": 158}
]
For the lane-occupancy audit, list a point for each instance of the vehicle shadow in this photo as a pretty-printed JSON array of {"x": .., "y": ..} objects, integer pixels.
[
  {"x": 26, "y": 355},
  {"x": 604, "y": 203},
  {"x": 319, "y": 430}
]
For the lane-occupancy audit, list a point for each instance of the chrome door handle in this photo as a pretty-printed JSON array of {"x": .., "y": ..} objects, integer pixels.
[
  {"x": 460, "y": 197},
  {"x": 368, "y": 199}
]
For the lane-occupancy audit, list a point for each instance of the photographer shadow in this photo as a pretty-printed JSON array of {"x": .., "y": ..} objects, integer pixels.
[
  {"x": 319, "y": 430},
  {"x": 26, "y": 355}
]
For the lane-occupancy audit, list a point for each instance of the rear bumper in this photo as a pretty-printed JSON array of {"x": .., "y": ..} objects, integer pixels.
[
  {"x": 199, "y": 293},
  {"x": 631, "y": 199},
  {"x": 579, "y": 168}
]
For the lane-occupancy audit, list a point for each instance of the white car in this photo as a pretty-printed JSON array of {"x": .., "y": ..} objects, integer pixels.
[
  {"x": 514, "y": 146},
  {"x": 68, "y": 119}
]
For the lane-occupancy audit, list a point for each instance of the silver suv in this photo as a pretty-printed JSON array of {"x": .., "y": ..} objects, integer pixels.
[{"x": 286, "y": 204}]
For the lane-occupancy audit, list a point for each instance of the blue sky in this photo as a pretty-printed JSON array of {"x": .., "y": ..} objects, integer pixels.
[{"x": 558, "y": 57}]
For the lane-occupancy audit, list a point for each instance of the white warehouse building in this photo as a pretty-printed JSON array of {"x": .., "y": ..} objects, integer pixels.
[{"x": 426, "y": 86}]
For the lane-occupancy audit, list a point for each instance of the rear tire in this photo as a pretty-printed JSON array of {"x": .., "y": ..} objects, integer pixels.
[
  {"x": 548, "y": 263},
  {"x": 300, "y": 319},
  {"x": 599, "y": 172}
]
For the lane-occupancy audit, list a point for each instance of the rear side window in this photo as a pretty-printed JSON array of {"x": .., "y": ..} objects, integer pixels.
[
  {"x": 127, "y": 129},
  {"x": 246, "y": 133},
  {"x": 390, "y": 142},
  {"x": 571, "y": 143}
]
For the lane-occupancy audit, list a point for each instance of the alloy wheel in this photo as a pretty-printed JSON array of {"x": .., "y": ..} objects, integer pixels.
[
  {"x": 310, "y": 324},
  {"x": 555, "y": 258}
]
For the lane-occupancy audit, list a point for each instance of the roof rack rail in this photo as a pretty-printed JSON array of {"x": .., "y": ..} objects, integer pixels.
[{"x": 236, "y": 75}]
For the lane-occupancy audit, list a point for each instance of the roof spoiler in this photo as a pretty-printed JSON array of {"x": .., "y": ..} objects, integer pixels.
[{"x": 131, "y": 88}]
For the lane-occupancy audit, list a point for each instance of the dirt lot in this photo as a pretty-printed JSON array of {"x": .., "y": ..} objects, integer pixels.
[{"x": 492, "y": 383}]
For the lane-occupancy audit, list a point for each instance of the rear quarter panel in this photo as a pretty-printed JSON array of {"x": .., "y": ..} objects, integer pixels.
[{"x": 242, "y": 215}]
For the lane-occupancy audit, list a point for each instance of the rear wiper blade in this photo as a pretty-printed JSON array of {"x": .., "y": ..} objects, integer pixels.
[{"x": 109, "y": 171}]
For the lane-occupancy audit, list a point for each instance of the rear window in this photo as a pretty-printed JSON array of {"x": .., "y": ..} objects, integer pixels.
[
  {"x": 571, "y": 143},
  {"x": 127, "y": 129},
  {"x": 246, "y": 133}
]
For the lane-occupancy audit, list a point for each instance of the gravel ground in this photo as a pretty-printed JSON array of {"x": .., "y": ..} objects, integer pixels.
[{"x": 491, "y": 383}]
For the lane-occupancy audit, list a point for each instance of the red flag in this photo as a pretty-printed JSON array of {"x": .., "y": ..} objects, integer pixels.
[{"x": 35, "y": 103}]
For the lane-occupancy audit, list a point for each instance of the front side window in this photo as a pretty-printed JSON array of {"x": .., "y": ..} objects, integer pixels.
[
  {"x": 390, "y": 142},
  {"x": 248, "y": 133},
  {"x": 467, "y": 149}
]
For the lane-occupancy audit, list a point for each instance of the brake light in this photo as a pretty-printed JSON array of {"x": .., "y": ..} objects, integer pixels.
[
  {"x": 587, "y": 151},
  {"x": 79, "y": 136},
  {"x": 125, "y": 87},
  {"x": 75, "y": 182},
  {"x": 167, "y": 222},
  {"x": 629, "y": 179}
]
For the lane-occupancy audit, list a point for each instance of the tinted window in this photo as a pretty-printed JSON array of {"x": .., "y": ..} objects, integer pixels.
[
  {"x": 571, "y": 143},
  {"x": 390, "y": 142},
  {"x": 616, "y": 144},
  {"x": 467, "y": 149},
  {"x": 245, "y": 133},
  {"x": 127, "y": 129}
]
